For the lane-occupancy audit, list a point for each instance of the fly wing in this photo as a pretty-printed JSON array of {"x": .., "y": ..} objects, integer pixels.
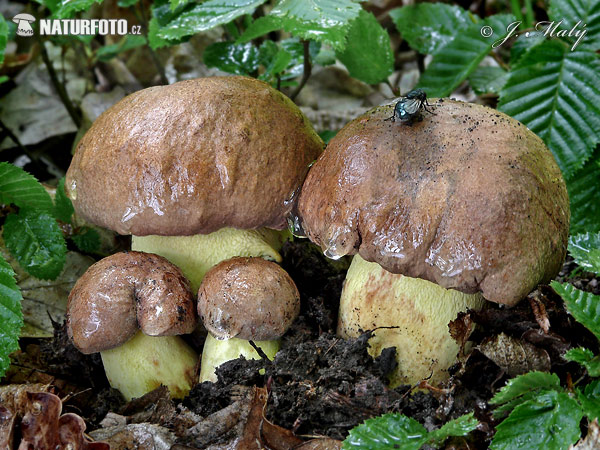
[{"x": 412, "y": 105}]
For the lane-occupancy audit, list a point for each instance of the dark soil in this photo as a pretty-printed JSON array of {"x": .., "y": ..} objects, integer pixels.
[{"x": 321, "y": 385}]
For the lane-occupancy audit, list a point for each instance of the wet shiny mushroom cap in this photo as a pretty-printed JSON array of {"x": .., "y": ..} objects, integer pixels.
[
  {"x": 468, "y": 198},
  {"x": 193, "y": 157},
  {"x": 125, "y": 292},
  {"x": 248, "y": 298}
]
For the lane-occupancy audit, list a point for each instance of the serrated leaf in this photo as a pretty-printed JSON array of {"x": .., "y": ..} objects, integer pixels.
[
  {"x": 11, "y": 317},
  {"x": 22, "y": 189},
  {"x": 178, "y": 3},
  {"x": 590, "y": 400},
  {"x": 128, "y": 42},
  {"x": 386, "y": 432},
  {"x": 63, "y": 207},
  {"x": 461, "y": 426},
  {"x": 428, "y": 27},
  {"x": 87, "y": 240},
  {"x": 66, "y": 9},
  {"x": 585, "y": 250},
  {"x": 584, "y": 306},
  {"x": 488, "y": 80},
  {"x": 36, "y": 242},
  {"x": 205, "y": 16},
  {"x": 368, "y": 53},
  {"x": 3, "y": 37},
  {"x": 452, "y": 64},
  {"x": 239, "y": 59},
  {"x": 583, "y": 188},
  {"x": 549, "y": 421},
  {"x": 572, "y": 11},
  {"x": 524, "y": 43},
  {"x": 586, "y": 358},
  {"x": 319, "y": 20},
  {"x": 522, "y": 384},
  {"x": 556, "y": 94}
]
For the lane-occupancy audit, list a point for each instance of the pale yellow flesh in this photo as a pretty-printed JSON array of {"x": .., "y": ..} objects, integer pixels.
[
  {"x": 144, "y": 362},
  {"x": 421, "y": 311},
  {"x": 195, "y": 255},
  {"x": 217, "y": 352}
]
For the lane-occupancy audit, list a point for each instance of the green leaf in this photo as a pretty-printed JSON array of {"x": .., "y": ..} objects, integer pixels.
[
  {"x": 524, "y": 43},
  {"x": 556, "y": 94},
  {"x": 22, "y": 189},
  {"x": 178, "y": 3},
  {"x": 585, "y": 249},
  {"x": 427, "y": 27},
  {"x": 522, "y": 384},
  {"x": 583, "y": 188},
  {"x": 239, "y": 59},
  {"x": 486, "y": 80},
  {"x": 3, "y": 37},
  {"x": 327, "y": 135},
  {"x": 368, "y": 53},
  {"x": 455, "y": 61},
  {"x": 586, "y": 358},
  {"x": 260, "y": 27},
  {"x": 87, "y": 240},
  {"x": 162, "y": 15},
  {"x": 584, "y": 306},
  {"x": 127, "y": 3},
  {"x": 66, "y": 9},
  {"x": 572, "y": 11},
  {"x": 3, "y": 79},
  {"x": 63, "y": 208},
  {"x": 205, "y": 16},
  {"x": 549, "y": 421},
  {"x": 35, "y": 240},
  {"x": 590, "y": 400},
  {"x": 11, "y": 317},
  {"x": 386, "y": 432},
  {"x": 396, "y": 431},
  {"x": 129, "y": 42},
  {"x": 461, "y": 426},
  {"x": 319, "y": 20}
]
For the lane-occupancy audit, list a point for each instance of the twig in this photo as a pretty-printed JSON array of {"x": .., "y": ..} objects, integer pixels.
[
  {"x": 60, "y": 89},
  {"x": 307, "y": 70}
]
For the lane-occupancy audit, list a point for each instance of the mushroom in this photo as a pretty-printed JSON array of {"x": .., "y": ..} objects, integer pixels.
[
  {"x": 124, "y": 292},
  {"x": 195, "y": 170},
  {"x": 461, "y": 206},
  {"x": 24, "y": 22},
  {"x": 241, "y": 300}
]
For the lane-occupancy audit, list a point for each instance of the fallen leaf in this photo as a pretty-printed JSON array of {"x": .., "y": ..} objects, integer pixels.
[
  {"x": 591, "y": 440},
  {"x": 539, "y": 310},
  {"x": 515, "y": 356}
]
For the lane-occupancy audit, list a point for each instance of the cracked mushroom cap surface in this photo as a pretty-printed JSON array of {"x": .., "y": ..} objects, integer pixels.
[
  {"x": 248, "y": 298},
  {"x": 193, "y": 157},
  {"x": 468, "y": 198},
  {"x": 125, "y": 292}
]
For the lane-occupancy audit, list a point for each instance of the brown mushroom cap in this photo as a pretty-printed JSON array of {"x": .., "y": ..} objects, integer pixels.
[
  {"x": 125, "y": 291},
  {"x": 248, "y": 298},
  {"x": 193, "y": 157},
  {"x": 468, "y": 198}
]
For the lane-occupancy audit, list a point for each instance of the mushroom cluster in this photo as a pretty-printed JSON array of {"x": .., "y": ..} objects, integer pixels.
[
  {"x": 464, "y": 205},
  {"x": 198, "y": 172}
]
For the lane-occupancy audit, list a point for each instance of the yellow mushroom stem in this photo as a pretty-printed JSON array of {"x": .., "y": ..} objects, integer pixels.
[
  {"x": 145, "y": 362},
  {"x": 196, "y": 254},
  {"x": 419, "y": 311},
  {"x": 217, "y": 352}
]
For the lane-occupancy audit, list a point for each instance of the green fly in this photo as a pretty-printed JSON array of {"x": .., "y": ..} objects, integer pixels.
[{"x": 409, "y": 106}]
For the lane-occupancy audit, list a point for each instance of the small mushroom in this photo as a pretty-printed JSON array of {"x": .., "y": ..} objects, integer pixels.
[
  {"x": 241, "y": 300},
  {"x": 464, "y": 205},
  {"x": 122, "y": 293},
  {"x": 24, "y": 22},
  {"x": 196, "y": 171}
]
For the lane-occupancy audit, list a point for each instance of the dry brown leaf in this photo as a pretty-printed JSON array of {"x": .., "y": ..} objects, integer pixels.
[
  {"x": 460, "y": 329},
  {"x": 591, "y": 440},
  {"x": 515, "y": 356},
  {"x": 320, "y": 444},
  {"x": 539, "y": 310}
]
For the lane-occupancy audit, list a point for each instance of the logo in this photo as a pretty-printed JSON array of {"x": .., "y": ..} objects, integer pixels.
[{"x": 24, "y": 22}]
